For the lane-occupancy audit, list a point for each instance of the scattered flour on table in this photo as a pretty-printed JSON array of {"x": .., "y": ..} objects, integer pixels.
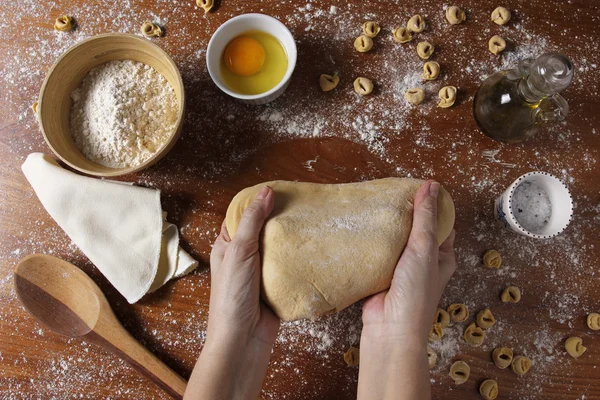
[{"x": 123, "y": 113}]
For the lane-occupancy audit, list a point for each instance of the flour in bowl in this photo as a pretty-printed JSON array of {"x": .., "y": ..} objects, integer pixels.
[{"x": 123, "y": 113}]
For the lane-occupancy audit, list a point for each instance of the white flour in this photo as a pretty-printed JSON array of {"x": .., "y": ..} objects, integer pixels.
[{"x": 123, "y": 113}]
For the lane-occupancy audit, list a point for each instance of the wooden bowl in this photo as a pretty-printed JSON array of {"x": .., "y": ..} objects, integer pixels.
[{"x": 54, "y": 104}]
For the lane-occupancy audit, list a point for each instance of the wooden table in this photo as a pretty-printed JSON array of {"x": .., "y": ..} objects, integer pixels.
[{"x": 322, "y": 137}]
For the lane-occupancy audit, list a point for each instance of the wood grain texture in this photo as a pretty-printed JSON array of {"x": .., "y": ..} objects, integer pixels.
[{"x": 316, "y": 137}]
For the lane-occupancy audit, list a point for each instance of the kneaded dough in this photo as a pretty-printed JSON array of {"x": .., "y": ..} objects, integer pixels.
[{"x": 326, "y": 246}]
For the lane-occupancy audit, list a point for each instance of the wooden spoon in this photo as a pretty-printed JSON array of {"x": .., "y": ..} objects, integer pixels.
[{"x": 66, "y": 300}]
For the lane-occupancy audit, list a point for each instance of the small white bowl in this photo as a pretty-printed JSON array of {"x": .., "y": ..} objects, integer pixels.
[
  {"x": 235, "y": 27},
  {"x": 560, "y": 198}
]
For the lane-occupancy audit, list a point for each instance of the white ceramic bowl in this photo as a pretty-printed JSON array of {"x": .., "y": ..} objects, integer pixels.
[
  {"x": 560, "y": 198},
  {"x": 235, "y": 27}
]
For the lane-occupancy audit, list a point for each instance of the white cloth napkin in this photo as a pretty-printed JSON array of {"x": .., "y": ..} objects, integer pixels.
[{"x": 121, "y": 228}]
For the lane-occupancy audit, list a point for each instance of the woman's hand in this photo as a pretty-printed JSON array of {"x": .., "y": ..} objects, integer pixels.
[
  {"x": 241, "y": 328},
  {"x": 396, "y": 323}
]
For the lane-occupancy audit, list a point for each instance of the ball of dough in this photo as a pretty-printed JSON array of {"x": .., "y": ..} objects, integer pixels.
[
  {"x": 320, "y": 253},
  {"x": 416, "y": 24},
  {"x": 500, "y": 15},
  {"x": 502, "y": 357},
  {"x": 455, "y": 15},
  {"x": 520, "y": 365},
  {"x": 415, "y": 96},
  {"x": 447, "y": 96},
  {"x": 489, "y": 389},
  {"x": 575, "y": 347},
  {"x": 496, "y": 44},
  {"x": 425, "y": 50},
  {"x": 459, "y": 372},
  {"x": 363, "y": 86},
  {"x": 371, "y": 29},
  {"x": 363, "y": 43}
]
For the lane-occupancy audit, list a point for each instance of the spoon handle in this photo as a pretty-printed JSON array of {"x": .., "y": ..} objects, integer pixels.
[{"x": 113, "y": 337}]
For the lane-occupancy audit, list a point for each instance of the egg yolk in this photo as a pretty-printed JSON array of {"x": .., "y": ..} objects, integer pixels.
[{"x": 244, "y": 56}]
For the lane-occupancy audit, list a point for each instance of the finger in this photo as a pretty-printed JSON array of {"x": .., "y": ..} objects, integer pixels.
[
  {"x": 447, "y": 259},
  {"x": 423, "y": 235},
  {"x": 220, "y": 246},
  {"x": 254, "y": 218}
]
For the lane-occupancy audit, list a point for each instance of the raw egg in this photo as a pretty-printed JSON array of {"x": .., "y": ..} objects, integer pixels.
[{"x": 253, "y": 63}]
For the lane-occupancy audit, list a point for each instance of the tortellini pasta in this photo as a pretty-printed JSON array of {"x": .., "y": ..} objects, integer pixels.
[
  {"x": 431, "y": 357},
  {"x": 371, "y": 29},
  {"x": 425, "y": 50},
  {"x": 416, "y": 24},
  {"x": 328, "y": 82},
  {"x": 511, "y": 294},
  {"x": 485, "y": 319},
  {"x": 455, "y": 15},
  {"x": 474, "y": 335},
  {"x": 520, "y": 365},
  {"x": 436, "y": 333},
  {"x": 447, "y": 96},
  {"x": 363, "y": 43},
  {"x": 441, "y": 317},
  {"x": 149, "y": 29},
  {"x": 458, "y": 312},
  {"x": 492, "y": 259},
  {"x": 574, "y": 346},
  {"x": 352, "y": 356},
  {"x": 363, "y": 86},
  {"x": 402, "y": 35},
  {"x": 459, "y": 372},
  {"x": 206, "y": 5},
  {"x": 64, "y": 23},
  {"x": 502, "y": 357},
  {"x": 489, "y": 389},
  {"x": 593, "y": 321},
  {"x": 500, "y": 15},
  {"x": 431, "y": 70},
  {"x": 415, "y": 96},
  {"x": 496, "y": 44}
]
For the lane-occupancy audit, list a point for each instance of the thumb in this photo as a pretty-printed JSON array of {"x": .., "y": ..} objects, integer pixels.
[
  {"x": 423, "y": 235},
  {"x": 254, "y": 218}
]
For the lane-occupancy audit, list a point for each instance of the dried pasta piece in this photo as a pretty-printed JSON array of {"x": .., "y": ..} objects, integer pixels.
[
  {"x": 402, "y": 35},
  {"x": 458, "y": 312},
  {"x": 511, "y": 294},
  {"x": 363, "y": 43},
  {"x": 503, "y": 357},
  {"x": 489, "y": 389},
  {"x": 474, "y": 335},
  {"x": 436, "y": 333},
  {"x": 149, "y": 29},
  {"x": 441, "y": 317},
  {"x": 431, "y": 70},
  {"x": 492, "y": 259},
  {"x": 425, "y": 50},
  {"x": 574, "y": 346},
  {"x": 416, "y": 24},
  {"x": 447, "y": 96},
  {"x": 328, "y": 82},
  {"x": 64, "y": 23},
  {"x": 500, "y": 15},
  {"x": 363, "y": 86},
  {"x": 352, "y": 356},
  {"x": 459, "y": 372},
  {"x": 485, "y": 319},
  {"x": 520, "y": 365},
  {"x": 431, "y": 357},
  {"x": 415, "y": 96},
  {"x": 496, "y": 44},
  {"x": 593, "y": 321},
  {"x": 371, "y": 29},
  {"x": 455, "y": 15},
  {"x": 206, "y": 5}
]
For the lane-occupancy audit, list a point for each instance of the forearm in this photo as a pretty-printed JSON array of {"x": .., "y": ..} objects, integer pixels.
[
  {"x": 393, "y": 367},
  {"x": 229, "y": 369}
]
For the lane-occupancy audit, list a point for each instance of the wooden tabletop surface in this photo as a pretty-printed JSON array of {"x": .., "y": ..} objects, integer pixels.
[{"x": 322, "y": 137}]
